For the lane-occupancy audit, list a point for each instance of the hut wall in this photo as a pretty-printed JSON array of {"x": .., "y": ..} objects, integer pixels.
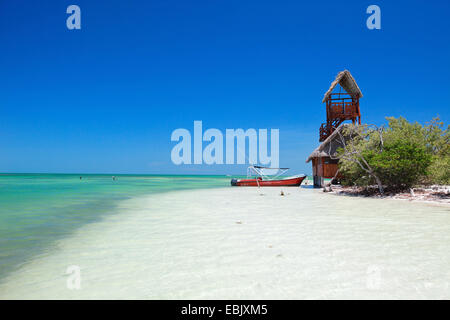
[
  {"x": 330, "y": 167},
  {"x": 323, "y": 167},
  {"x": 317, "y": 166}
]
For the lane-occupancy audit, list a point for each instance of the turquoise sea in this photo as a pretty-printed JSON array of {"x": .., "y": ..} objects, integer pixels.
[
  {"x": 161, "y": 237},
  {"x": 38, "y": 209}
]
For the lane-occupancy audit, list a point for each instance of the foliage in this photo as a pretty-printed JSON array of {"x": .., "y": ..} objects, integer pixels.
[
  {"x": 398, "y": 156},
  {"x": 401, "y": 164},
  {"x": 439, "y": 171}
]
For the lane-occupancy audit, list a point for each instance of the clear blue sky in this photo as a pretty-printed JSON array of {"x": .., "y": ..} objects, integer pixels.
[{"x": 107, "y": 97}]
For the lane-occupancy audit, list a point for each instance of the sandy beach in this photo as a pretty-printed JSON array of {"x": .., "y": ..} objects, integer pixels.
[
  {"x": 245, "y": 243},
  {"x": 438, "y": 195}
]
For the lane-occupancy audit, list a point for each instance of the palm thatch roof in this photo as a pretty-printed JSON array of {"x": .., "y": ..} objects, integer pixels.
[
  {"x": 347, "y": 82},
  {"x": 329, "y": 146}
]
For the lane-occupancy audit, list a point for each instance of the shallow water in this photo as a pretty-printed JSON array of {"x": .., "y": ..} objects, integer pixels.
[
  {"x": 37, "y": 209},
  {"x": 245, "y": 243}
]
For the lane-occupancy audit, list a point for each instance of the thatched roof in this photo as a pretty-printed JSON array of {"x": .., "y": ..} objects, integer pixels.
[
  {"x": 347, "y": 82},
  {"x": 324, "y": 149}
]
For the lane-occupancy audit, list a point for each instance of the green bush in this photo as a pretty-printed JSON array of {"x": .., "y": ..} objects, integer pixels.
[
  {"x": 439, "y": 171},
  {"x": 404, "y": 155},
  {"x": 401, "y": 164}
]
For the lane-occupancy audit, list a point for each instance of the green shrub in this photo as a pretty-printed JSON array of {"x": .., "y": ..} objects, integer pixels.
[
  {"x": 404, "y": 155},
  {"x": 439, "y": 171},
  {"x": 401, "y": 164}
]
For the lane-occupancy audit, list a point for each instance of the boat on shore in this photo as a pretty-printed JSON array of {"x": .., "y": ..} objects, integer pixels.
[{"x": 261, "y": 180}]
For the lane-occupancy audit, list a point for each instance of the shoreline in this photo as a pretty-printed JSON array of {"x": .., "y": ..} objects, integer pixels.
[{"x": 437, "y": 195}]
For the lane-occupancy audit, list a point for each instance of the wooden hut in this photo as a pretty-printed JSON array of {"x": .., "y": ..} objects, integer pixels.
[
  {"x": 324, "y": 164},
  {"x": 340, "y": 106}
]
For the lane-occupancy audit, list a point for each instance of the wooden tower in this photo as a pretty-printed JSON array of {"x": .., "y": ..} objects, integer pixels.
[{"x": 341, "y": 106}]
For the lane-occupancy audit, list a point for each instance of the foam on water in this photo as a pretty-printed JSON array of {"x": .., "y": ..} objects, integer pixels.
[{"x": 241, "y": 244}]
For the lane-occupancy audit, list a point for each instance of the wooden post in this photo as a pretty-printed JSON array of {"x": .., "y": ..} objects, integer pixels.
[{"x": 359, "y": 111}]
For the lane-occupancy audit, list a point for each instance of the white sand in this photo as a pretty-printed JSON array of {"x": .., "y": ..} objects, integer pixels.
[{"x": 234, "y": 243}]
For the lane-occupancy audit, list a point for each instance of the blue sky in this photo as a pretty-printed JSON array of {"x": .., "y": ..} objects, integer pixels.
[{"x": 106, "y": 98}]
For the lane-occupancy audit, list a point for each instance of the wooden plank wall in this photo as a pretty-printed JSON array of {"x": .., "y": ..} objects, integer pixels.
[
  {"x": 323, "y": 169},
  {"x": 329, "y": 170}
]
